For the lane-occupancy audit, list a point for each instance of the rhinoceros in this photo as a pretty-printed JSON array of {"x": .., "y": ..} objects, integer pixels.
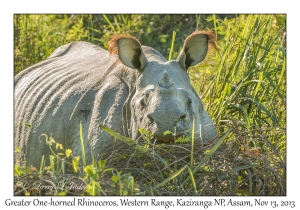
[{"x": 126, "y": 88}]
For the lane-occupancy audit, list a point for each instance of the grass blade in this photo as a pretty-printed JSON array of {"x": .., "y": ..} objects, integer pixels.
[
  {"x": 261, "y": 74},
  {"x": 235, "y": 170},
  {"x": 128, "y": 141},
  {"x": 52, "y": 164},
  {"x": 210, "y": 153},
  {"x": 131, "y": 142},
  {"x": 41, "y": 166},
  {"x": 192, "y": 143},
  {"x": 283, "y": 70},
  {"x": 129, "y": 186},
  {"x": 193, "y": 180},
  {"x": 172, "y": 45},
  {"x": 82, "y": 145},
  {"x": 174, "y": 175},
  {"x": 109, "y": 23}
]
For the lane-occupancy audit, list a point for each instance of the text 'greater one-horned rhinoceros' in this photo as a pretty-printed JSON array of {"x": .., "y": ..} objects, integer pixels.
[{"x": 128, "y": 88}]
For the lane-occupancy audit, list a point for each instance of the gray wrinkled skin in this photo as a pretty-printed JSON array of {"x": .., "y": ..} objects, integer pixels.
[{"x": 80, "y": 82}]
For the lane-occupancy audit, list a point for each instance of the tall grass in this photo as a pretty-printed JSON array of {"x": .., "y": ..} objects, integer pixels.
[
  {"x": 247, "y": 72},
  {"x": 37, "y": 36}
]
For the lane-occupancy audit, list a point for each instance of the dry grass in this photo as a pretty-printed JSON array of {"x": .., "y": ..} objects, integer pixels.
[{"x": 246, "y": 163}]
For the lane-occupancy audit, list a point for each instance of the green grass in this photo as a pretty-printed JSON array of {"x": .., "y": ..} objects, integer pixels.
[{"x": 242, "y": 86}]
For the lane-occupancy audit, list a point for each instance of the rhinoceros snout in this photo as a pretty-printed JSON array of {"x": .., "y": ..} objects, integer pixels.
[
  {"x": 159, "y": 125},
  {"x": 157, "y": 118}
]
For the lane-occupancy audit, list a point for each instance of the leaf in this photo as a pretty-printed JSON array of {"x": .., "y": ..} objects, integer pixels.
[
  {"x": 101, "y": 164},
  {"x": 26, "y": 124},
  {"x": 17, "y": 170},
  {"x": 167, "y": 132},
  {"x": 61, "y": 193},
  {"x": 51, "y": 140},
  {"x": 147, "y": 135},
  {"x": 93, "y": 188},
  {"x": 183, "y": 140},
  {"x": 142, "y": 130},
  {"x": 206, "y": 151},
  {"x": 68, "y": 152},
  {"x": 75, "y": 163},
  {"x": 59, "y": 146},
  {"x": 115, "y": 178},
  {"x": 89, "y": 169}
]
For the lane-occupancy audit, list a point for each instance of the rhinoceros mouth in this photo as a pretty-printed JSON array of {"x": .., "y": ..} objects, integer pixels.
[
  {"x": 164, "y": 138},
  {"x": 157, "y": 135},
  {"x": 167, "y": 138}
]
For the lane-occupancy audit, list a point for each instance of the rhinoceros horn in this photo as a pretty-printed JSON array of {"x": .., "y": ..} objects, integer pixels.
[{"x": 166, "y": 83}]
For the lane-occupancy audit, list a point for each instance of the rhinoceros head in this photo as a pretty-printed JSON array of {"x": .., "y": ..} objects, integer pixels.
[{"x": 164, "y": 98}]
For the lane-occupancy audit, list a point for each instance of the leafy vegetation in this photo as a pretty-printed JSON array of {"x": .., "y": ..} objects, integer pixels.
[{"x": 242, "y": 85}]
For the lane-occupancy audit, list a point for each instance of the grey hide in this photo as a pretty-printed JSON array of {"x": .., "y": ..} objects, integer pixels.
[{"x": 131, "y": 87}]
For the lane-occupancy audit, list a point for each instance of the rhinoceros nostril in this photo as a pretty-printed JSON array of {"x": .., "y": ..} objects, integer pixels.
[
  {"x": 150, "y": 117},
  {"x": 182, "y": 117},
  {"x": 181, "y": 121}
]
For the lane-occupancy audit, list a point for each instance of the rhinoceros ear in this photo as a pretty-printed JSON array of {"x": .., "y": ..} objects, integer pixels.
[
  {"x": 195, "y": 48},
  {"x": 129, "y": 51}
]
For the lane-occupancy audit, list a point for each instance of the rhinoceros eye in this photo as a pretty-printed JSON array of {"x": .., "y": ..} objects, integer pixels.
[
  {"x": 142, "y": 103},
  {"x": 189, "y": 102}
]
